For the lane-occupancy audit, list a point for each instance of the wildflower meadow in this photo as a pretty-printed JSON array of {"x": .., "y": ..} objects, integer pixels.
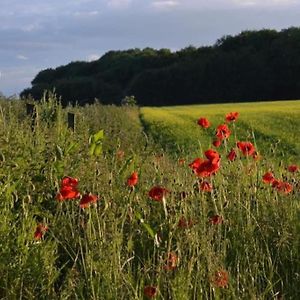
[{"x": 196, "y": 202}]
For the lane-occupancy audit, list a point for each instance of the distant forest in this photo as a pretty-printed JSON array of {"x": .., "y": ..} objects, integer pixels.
[{"x": 251, "y": 66}]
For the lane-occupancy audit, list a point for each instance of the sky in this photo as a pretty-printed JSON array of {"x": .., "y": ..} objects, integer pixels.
[{"x": 40, "y": 34}]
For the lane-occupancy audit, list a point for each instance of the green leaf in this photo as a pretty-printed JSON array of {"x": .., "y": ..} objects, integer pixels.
[
  {"x": 59, "y": 167},
  {"x": 95, "y": 142},
  {"x": 92, "y": 149},
  {"x": 98, "y": 137},
  {"x": 73, "y": 146},
  {"x": 145, "y": 225},
  {"x": 98, "y": 150},
  {"x": 138, "y": 215},
  {"x": 149, "y": 229}
]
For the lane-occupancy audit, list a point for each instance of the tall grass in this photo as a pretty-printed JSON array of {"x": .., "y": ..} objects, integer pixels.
[{"x": 116, "y": 247}]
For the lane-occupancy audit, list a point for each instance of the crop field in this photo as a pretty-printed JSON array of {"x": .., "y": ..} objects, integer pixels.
[
  {"x": 273, "y": 126},
  {"x": 137, "y": 203}
]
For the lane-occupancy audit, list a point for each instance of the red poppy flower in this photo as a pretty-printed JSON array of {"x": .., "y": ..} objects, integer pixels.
[
  {"x": 207, "y": 168},
  {"x": 39, "y": 231},
  {"x": 68, "y": 189},
  {"x": 293, "y": 168},
  {"x": 150, "y": 291},
  {"x": 205, "y": 186},
  {"x": 69, "y": 181},
  {"x": 232, "y": 117},
  {"x": 231, "y": 155},
  {"x": 223, "y": 132},
  {"x": 286, "y": 188},
  {"x": 220, "y": 279},
  {"x": 203, "y": 122},
  {"x": 268, "y": 177},
  {"x": 212, "y": 155},
  {"x": 67, "y": 193},
  {"x": 171, "y": 261},
  {"x": 133, "y": 179},
  {"x": 276, "y": 183},
  {"x": 246, "y": 147},
  {"x": 216, "y": 220},
  {"x": 217, "y": 143},
  {"x": 196, "y": 163},
  {"x": 157, "y": 193},
  {"x": 184, "y": 223},
  {"x": 87, "y": 199},
  {"x": 282, "y": 187}
]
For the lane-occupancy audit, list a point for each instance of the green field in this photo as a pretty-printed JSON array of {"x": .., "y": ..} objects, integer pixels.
[
  {"x": 273, "y": 126},
  {"x": 238, "y": 240}
]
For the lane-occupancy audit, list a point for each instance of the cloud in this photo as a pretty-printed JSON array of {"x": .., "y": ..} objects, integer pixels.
[
  {"x": 163, "y": 4},
  {"x": 86, "y": 13},
  {"x": 21, "y": 57},
  {"x": 118, "y": 3},
  {"x": 31, "y": 27},
  {"x": 93, "y": 57},
  {"x": 272, "y": 3},
  {"x": 57, "y": 32}
]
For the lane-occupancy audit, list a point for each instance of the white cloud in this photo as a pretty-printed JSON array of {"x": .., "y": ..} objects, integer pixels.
[
  {"x": 31, "y": 27},
  {"x": 92, "y": 57},
  {"x": 86, "y": 13},
  {"x": 56, "y": 32},
  {"x": 265, "y": 2},
  {"x": 162, "y": 4},
  {"x": 118, "y": 3},
  {"x": 21, "y": 57}
]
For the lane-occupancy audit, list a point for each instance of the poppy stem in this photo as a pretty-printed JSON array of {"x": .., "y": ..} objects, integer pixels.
[
  {"x": 225, "y": 145},
  {"x": 165, "y": 207}
]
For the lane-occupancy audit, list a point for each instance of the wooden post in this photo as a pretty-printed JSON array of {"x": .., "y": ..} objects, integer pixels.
[
  {"x": 31, "y": 111},
  {"x": 71, "y": 121}
]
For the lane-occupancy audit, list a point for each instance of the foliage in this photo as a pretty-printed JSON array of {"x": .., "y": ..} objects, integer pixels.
[
  {"x": 129, "y": 100},
  {"x": 95, "y": 142},
  {"x": 253, "y": 65}
]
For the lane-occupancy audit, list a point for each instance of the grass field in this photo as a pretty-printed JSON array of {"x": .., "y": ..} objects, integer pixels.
[
  {"x": 273, "y": 126},
  {"x": 115, "y": 214}
]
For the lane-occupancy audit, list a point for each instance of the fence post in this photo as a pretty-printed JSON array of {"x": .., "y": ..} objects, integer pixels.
[
  {"x": 32, "y": 112},
  {"x": 71, "y": 121}
]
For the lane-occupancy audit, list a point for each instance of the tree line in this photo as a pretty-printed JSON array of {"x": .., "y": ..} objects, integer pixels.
[{"x": 251, "y": 66}]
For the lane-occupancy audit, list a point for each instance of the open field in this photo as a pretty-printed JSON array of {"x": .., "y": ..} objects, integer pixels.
[
  {"x": 115, "y": 215},
  {"x": 273, "y": 126}
]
